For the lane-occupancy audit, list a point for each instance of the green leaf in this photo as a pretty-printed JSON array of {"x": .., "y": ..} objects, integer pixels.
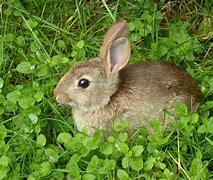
[
  {"x": 41, "y": 140},
  {"x": 66, "y": 60},
  {"x": 125, "y": 162},
  {"x": 31, "y": 177},
  {"x": 41, "y": 70},
  {"x": 31, "y": 23},
  {"x": 37, "y": 128},
  {"x": 148, "y": 165},
  {"x": 75, "y": 143},
  {"x": 45, "y": 168},
  {"x": 52, "y": 155},
  {"x": 120, "y": 126},
  {"x": 109, "y": 164},
  {"x": 122, "y": 147},
  {"x": 111, "y": 139},
  {"x": 160, "y": 165},
  {"x": 136, "y": 163},
  {"x": 13, "y": 96},
  {"x": 210, "y": 125},
  {"x": 90, "y": 143},
  {"x": 147, "y": 30},
  {"x": 81, "y": 53},
  {"x": 3, "y": 173},
  {"x": 135, "y": 37},
  {"x": 33, "y": 118},
  {"x": 122, "y": 175},
  {"x": 128, "y": 154},
  {"x": 116, "y": 154},
  {"x": 35, "y": 110},
  {"x": 138, "y": 24},
  {"x": 162, "y": 50},
  {"x": 3, "y": 132},
  {"x": 38, "y": 96},
  {"x": 84, "y": 151},
  {"x": 182, "y": 122},
  {"x": 106, "y": 148},
  {"x": 72, "y": 166},
  {"x": 33, "y": 47},
  {"x": 209, "y": 141},
  {"x": 93, "y": 164},
  {"x": 26, "y": 102},
  {"x": 102, "y": 170},
  {"x": 196, "y": 169},
  {"x": 4, "y": 161},
  {"x": 203, "y": 128},
  {"x": 189, "y": 56},
  {"x": 158, "y": 15},
  {"x": 180, "y": 109},
  {"x": 137, "y": 150},
  {"x": 20, "y": 40},
  {"x": 122, "y": 137},
  {"x": 207, "y": 106},
  {"x": 8, "y": 11},
  {"x": 24, "y": 67},
  {"x": 168, "y": 174},
  {"x": 80, "y": 44},
  {"x": 11, "y": 107},
  {"x": 74, "y": 53},
  {"x": 194, "y": 118},
  {"x": 64, "y": 138},
  {"x": 131, "y": 26},
  {"x": 156, "y": 125},
  {"x": 2, "y": 99},
  {"x": 146, "y": 16},
  {"x": 88, "y": 177},
  {"x": 98, "y": 136},
  {"x": 61, "y": 44},
  {"x": 1, "y": 83},
  {"x": 1, "y": 111},
  {"x": 9, "y": 37}
]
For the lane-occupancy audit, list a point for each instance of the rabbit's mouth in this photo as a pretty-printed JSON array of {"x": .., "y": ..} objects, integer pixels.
[
  {"x": 65, "y": 101},
  {"x": 72, "y": 104}
]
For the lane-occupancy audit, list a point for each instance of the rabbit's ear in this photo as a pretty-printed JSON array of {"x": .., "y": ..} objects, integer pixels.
[
  {"x": 117, "y": 55},
  {"x": 117, "y": 30}
]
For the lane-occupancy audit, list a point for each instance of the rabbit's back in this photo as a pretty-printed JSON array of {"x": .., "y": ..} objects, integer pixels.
[
  {"x": 147, "y": 89},
  {"x": 161, "y": 78}
]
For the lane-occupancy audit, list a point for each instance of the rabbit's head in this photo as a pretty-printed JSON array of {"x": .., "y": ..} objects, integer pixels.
[{"x": 90, "y": 84}]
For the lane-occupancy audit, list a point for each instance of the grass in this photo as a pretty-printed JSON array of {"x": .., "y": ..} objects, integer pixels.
[{"x": 41, "y": 40}]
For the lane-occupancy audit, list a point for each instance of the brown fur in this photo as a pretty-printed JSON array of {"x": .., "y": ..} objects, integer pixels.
[{"x": 137, "y": 92}]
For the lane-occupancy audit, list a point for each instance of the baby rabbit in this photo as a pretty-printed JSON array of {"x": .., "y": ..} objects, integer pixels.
[{"x": 107, "y": 89}]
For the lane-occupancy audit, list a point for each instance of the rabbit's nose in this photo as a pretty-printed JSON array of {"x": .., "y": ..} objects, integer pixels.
[{"x": 61, "y": 97}]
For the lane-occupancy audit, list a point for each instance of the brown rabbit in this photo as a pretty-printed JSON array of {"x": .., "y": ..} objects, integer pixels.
[{"x": 105, "y": 89}]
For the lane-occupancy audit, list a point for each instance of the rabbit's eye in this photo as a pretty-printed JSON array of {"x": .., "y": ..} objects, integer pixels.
[{"x": 83, "y": 83}]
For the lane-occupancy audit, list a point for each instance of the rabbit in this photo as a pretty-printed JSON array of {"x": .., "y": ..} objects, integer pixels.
[{"x": 107, "y": 89}]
